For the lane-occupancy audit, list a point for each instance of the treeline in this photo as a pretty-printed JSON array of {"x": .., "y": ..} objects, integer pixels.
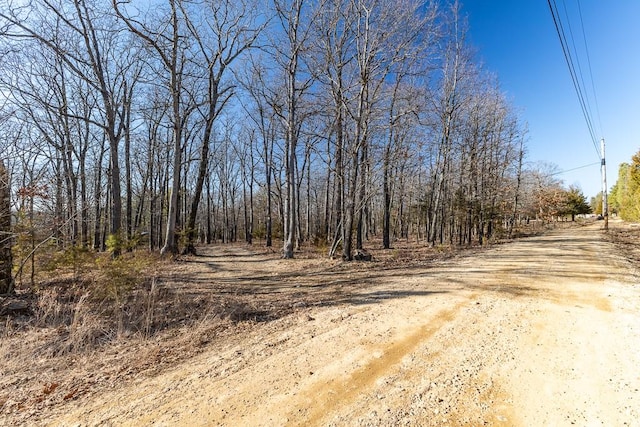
[
  {"x": 171, "y": 123},
  {"x": 624, "y": 199}
]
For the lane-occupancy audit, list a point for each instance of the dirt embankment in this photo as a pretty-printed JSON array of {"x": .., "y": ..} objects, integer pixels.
[{"x": 542, "y": 331}]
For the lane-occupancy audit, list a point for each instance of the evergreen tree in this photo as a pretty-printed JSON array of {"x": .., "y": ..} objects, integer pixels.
[{"x": 576, "y": 203}]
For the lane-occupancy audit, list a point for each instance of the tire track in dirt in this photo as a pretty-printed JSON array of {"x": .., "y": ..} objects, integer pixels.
[
  {"x": 341, "y": 392},
  {"x": 344, "y": 358}
]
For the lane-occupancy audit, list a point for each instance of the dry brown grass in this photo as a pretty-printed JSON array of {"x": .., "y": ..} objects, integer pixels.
[
  {"x": 95, "y": 327},
  {"x": 626, "y": 237}
]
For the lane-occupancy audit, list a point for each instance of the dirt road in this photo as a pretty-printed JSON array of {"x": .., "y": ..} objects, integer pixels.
[{"x": 541, "y": 332}]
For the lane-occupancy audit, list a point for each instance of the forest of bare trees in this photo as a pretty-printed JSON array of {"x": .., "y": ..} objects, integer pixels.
[{"x": 171, "y": 123}]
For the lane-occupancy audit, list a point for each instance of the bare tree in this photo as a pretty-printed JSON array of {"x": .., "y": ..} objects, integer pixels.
[
  {"x": 264, "y": 119},
  {"x": 294, "y": 22},
  {"x": 82, "y": 37},
  {"x": 383, "y": 37},
  {"x": 168, "y": 40},
  {"x": 334, "y": 62},
  {"x": 402, "y": 114},
  {"x": 126, "y": 108},
  {"x": 448, "y": 102},
  {"x": 245, "y": 152},
  {"x": 229, "y": 31}
]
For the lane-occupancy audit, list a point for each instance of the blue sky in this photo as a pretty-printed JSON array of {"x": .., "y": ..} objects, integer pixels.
[{"x": 517, "y": 40}]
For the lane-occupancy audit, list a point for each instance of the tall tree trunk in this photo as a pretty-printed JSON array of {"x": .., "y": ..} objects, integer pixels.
[
  {"x": 290, "y": 200},
  {"x": 116, "y": 192},
  {"x": 170, "y": 243},
  {"x": 59, "y": 203},
  {"x": 516, "y": 195},
  {"x": 353, "y": 198},
  {"x": 251, "y": 205},
  {"x": 127, "y": 167},
  {"x": 84, "y": 207},
  {"x": 6, "y": 261},
  {"x": 308, "y": 231},
  {"x": 362, "y": 199},
  {"x": 350, "y": 207},
  {"x": 339, "y": 180},
  {"x": 327, "y": 196},
  {"x": 209, "y": 237},
  {"x": 203, "y": 167},
  {"x": 291, "y": 140},
  {"x": 386, "y": 195},
  {"x": 268, "y": 156},
  {"x": 98, "y": 201}
]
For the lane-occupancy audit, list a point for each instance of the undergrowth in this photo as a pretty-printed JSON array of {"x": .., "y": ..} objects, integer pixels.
[
  {"x": 94, "y": 321},
  {"x": 90, "y": 299}
]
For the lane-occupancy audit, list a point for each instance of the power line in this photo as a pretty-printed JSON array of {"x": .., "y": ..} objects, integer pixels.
[
  {"x": 574, "y": 169},
  {"x": 572, "y": 71},
  {"x": 577, "y": 57},
  {"x": 579, "y": 91},
  {"x": 593, "y": 88}
]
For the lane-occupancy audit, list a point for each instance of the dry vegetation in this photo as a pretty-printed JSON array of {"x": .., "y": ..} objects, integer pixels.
[
  {"x": 98, "y": 323},
  {"x": 626, "y": 236}
]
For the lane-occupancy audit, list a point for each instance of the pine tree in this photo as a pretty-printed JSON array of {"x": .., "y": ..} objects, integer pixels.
[{"x": 576, "y": 203}]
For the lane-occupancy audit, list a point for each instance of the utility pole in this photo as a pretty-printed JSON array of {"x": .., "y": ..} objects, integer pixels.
[{"x": 603, "y": 172}]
